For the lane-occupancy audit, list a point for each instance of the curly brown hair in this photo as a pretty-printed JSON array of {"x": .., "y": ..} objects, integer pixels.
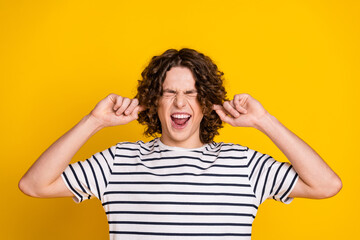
[{"x": 208, "y": 83}]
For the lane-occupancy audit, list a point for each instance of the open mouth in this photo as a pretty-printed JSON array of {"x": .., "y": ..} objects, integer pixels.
[{"x": 179, "y": 121}]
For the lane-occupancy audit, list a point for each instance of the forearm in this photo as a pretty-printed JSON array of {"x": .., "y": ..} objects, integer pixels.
[
  {"x": 49, "y": 166},
  {"x": 311, "y": 168}
]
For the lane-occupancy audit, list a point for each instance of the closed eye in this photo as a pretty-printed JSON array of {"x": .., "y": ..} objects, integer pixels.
[
  {"x": 169, "y": 93},
  {"x": 191, "y": 93},
  {"x": 172, "y": 93}
]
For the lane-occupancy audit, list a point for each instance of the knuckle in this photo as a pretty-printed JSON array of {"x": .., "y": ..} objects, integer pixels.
[
  {"x": 122, "y": 107},
  {"x": 135, "y": 101},
  {"x": 112, "y": 95},
  {"x": 118, "y": 103}
]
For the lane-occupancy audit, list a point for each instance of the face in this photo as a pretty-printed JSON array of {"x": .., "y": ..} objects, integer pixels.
[{"x": 179, "y": 110}]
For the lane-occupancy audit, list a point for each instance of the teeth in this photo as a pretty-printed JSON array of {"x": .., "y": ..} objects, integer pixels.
[{"x": 180, "y": 116}]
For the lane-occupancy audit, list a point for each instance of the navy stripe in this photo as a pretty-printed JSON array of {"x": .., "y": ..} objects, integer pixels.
[
  {"x": 96, "y": 182},
  {"x": 276, "y": 174},
  {"x": 221, "y": 150},
  {"x": 183, "y": 183},
  {"x": 181, "y": 223},
  {"x": 206, "y": 154},
  {"x": 283, "y": 180},
  {"x": 182, "y": 213},
  {"x": 233, "y": 150},
  {"x": 111, "y": 153},
  {"x": 231, "y": 157},
  {"x": 290, "y": 187},
  {"x": 180, "y": 234},
  {"x": 265, "y": 182},
  {"x": 180, "y": 165},
  {"x": 161, "y": 158},
  {"x": 83, "y": 171},
  {"x": 230, "y": 144},
  {"x": 71, "y": 187},
  {"x": 140, "y": 145},
  {"x": 180, "y": 174},
  {"x": 252, "y": 158},
  {"x": 259, "y": 174},
  {"x": 213, "y": 145},
  {"x": 215, "y": 149},
  {"x": 76, "y": 178},
  {"x": 182, "y": 203},
  {"x": 257, "y": 161},
  {"x": 141, "y": 153},
  {"x": 106, "y": 162},
  {"x": 180, "y": 193},
  {"x": 102, "y": 171}
]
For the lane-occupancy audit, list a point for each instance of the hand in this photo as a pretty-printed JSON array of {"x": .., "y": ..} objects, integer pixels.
[
  {"x": 116, "y": 110},
  {"x": 242, "y": 111}
]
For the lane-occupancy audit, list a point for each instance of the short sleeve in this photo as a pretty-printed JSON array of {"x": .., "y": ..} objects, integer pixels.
[
  {"x": 270, "y": 178},
  {"x": 89, "y": 178}
]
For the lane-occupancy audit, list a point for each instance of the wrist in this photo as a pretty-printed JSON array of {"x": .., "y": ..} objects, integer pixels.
[
  {"x": 92, "y": 123},
  {"x": 266, "y": 123}
]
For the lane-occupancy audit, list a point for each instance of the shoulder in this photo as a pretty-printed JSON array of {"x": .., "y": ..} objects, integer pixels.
[
  {"x": 228, "y": 150},
  {"x": 138, "y": 145},
  {"x": 223, "y": 146}
]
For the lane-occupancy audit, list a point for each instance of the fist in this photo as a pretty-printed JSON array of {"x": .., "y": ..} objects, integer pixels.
[
  {"x": 242, "y": 111},
  {"x": 116, "y": 110}
]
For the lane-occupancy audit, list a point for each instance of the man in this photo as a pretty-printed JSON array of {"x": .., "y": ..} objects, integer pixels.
[{"x": 181, "y": 185}]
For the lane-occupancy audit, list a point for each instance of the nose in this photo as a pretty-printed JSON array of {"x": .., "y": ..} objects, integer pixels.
[{"x": 180, "y": 100}]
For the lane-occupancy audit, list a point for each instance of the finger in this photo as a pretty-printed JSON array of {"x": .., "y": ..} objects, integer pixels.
[
  {"x": 112, "y": 97},
  {"x": 232, "y": 103},
  {"x": 141, "y": 108},
  {"x": 134, "y": 102},
  {"x": 220, "y": 107},
  {"x": 134, "y": 113},
  {"x": 224, "y": 117},
  {"x": 217, "y": 107},
  {"x": 118, "y": 102},
  {"x": 239, "y": 109},
  {"x": 124, "y": 105},
  {"x": 232, "y": 111},
  {"x": 239, "y": 101}
]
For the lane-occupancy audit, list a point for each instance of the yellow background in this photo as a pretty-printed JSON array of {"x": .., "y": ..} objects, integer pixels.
[{"x": 300, "y": 59}]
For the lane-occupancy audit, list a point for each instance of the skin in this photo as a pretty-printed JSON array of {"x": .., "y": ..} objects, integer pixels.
[
  {"x": 316, "y": 179},
  {"x": 180, "y": 97}
]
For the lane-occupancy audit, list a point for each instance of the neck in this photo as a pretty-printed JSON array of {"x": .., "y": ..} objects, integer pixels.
[{"x": 189, "y": 143}]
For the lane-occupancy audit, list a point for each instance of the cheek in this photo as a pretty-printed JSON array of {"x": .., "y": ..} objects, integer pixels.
[
  {"x": 199, "y": 114},
  {"x": 162, "y": 110},
  {"x": 200, "y": 117}
]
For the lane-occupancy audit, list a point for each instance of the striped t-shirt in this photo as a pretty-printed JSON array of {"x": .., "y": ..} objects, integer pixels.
[{"x": 153, "y": 191}]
